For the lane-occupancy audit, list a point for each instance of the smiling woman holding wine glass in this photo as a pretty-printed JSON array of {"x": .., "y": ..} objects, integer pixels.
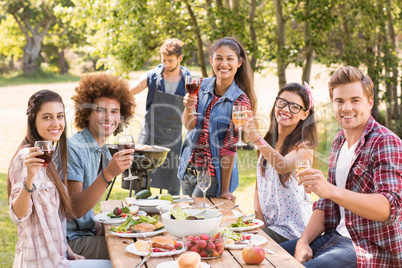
[
  {"x": 211, "y": 137},
  {"x": 292, "y": 135},
  {"x": 39, "y": 204}
]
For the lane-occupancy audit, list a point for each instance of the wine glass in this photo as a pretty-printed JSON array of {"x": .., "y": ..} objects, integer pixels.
[
  {"x": 204, "y": 182},
  {"x": 302, "y": 164},
  {"x": 238, "y": 115},
  {"x": 193, "y": 84},
  {"x": 47, "y": 148},
  {"x": 124, "y": 142}
]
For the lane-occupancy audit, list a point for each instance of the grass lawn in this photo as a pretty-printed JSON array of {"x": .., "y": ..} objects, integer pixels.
[{"x": 39, "y": 77}]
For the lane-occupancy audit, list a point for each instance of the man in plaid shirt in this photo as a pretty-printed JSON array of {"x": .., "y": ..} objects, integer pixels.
[{"x": 360, "y": 204}]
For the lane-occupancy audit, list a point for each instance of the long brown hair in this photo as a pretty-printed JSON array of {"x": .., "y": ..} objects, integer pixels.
[
  {"x": 34, "y": 104},
  {"x": 244, "y": 75},
  {"x": 305, "y": 131}
]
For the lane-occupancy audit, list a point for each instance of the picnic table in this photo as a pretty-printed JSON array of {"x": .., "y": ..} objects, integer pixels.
[{"x": 230, "y": 258}]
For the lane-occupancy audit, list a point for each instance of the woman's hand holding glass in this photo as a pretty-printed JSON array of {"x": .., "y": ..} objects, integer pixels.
[
  {"x": 249, "y": 126},
  {"x": 32, "y": 162}
]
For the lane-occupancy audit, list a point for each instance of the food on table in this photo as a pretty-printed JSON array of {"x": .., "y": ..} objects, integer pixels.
[
  {"x": 189, "y": 259},
  {"x": 178, "y": 214},
  {"x": 119, "y": 212},
  {"x": 182, "y": 205},
  {"x": 163, "y": 242},
  {"x": 138, "y": 224},
  {"x": 159, "y": 244},
  {"x": 253, "y": 254},
  {"x": 143, "y": 147},
  {"x": 142, "y": 245},
  {"x": 206, "y": 245},
  {"x": 134, "y": 210},
  {"x": 235, "y": 238},
  {"x": 144, "y": 227},
  {"x": 144, "y": 194},
  {"x": 167, "y": 197},
  {"x": 235, "y": 222}
]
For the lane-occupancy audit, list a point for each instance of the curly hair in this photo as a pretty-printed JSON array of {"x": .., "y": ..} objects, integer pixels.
[{"x": 95, "y": 86}]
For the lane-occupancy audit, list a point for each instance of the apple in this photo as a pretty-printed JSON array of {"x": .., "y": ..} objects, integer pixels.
[{"x": 253, "y": 254}]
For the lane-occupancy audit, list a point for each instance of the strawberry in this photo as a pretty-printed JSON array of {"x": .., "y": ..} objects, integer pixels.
[
  {"x": 248, "y": 237},
  {"x": 211, "y": 246},
  {"x": 178, "y": 246},
  {"x": 220, "y": 247},
  {"x": 204, "y": 237},
  {"x": 215, "y": 254},
  {"x": 202, "y": 244},
  {"x": 156, "y": 249},
  {"x": 195, "y": 248},
  {"x": 203, "y": 254}
]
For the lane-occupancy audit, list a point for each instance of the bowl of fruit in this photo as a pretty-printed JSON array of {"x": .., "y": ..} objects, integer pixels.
[
  {"x": 181, "y": 223},
  {"x": 209, "y": 246}
]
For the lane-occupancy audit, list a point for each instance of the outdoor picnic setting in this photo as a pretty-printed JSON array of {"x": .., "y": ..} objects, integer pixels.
[{"x": 196, "y": 134}]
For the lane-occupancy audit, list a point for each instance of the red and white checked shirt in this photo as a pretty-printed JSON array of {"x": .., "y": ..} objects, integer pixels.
[
  {"x": 377, "y": 168},
  {"x": 41, "y": 238}
]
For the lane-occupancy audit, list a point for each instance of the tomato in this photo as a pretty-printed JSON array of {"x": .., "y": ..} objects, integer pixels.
[
  {"x": 248, "y": 237},
  {"x": 124, "y": 215}
]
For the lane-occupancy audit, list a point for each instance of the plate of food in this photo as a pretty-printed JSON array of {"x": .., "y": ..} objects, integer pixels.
[
  {"x": 149, "y": 205},
  {"x": 187, "y": 259},
  {"x": 240, "y": 241},
  {"x": 161, "y": 246},
  {"x": 246, "y": 225},
  {"x": 118, "y": 215},
  {"x": 138, "y": 227}
]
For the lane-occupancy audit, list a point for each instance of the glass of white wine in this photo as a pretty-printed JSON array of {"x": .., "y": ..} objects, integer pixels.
[
  {"x": 302, "y": 164},
  {"x": 238, "y": 116},
  {"x": 204, "y": 182}
]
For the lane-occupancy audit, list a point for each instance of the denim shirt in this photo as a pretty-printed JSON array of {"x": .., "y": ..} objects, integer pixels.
[
  {"x": 220, "y": 119},
  {"x": 155, "y": 82},
  {"x": 83, "y": 165}
]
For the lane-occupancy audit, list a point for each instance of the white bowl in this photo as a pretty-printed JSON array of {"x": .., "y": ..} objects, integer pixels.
[{"x": 180, "y": 228}]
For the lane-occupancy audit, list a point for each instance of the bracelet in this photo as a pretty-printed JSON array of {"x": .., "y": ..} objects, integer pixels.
[
  {"x": 29, "y": 190},
  {"x": 258, "y": 140},
  {"x": 104, "y": 179}
]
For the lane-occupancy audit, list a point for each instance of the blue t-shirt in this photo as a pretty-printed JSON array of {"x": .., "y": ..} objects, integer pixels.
[{"x": 83, "y": 164}]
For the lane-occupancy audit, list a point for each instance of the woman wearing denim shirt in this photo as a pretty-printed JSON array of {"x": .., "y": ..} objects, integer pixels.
[{"x": 209, "y": 142}]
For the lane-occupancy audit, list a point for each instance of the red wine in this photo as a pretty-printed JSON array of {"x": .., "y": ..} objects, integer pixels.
[
  {"x": 193, "y": 88},
  {"x": 47, "y": 156},
  {"x": 125, "y": 146}
]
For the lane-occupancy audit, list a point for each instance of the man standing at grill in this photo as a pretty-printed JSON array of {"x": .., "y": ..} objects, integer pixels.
[{"x": 162, "y": 125}]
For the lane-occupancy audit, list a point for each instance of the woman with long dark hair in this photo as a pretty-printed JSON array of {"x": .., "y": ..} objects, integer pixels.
[
  {"x": 292, "y": 135},
  {"x": 39, "y": 204},
  {"x": 209, "y": 143}
]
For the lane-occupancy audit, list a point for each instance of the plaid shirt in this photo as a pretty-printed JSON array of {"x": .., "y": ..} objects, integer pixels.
[{"x": 376, "y": 168}]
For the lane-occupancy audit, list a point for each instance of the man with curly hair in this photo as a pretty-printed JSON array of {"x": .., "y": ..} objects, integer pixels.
[
  {"x": 102, "y": 104},
  {"x": 162, "y": 125}
]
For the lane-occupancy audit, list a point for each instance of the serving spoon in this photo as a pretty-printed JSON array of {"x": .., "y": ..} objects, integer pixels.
[{"x": 229, "y": 210}]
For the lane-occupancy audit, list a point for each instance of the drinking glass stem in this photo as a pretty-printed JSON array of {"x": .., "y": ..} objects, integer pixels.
[{"x": 240, "y": 132}]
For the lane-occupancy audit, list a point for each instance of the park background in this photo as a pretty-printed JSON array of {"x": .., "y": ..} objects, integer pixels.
[{"x": 50, "y": 44}]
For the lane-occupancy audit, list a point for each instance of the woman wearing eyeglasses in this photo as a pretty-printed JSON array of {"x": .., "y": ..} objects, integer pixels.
[{"x": 292, "y": 135}]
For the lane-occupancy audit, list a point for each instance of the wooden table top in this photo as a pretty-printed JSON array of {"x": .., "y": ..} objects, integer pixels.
[{"x": 230, "y": 258}]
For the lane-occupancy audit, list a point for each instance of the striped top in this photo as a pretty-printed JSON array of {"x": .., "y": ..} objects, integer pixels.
[{"x": 201, "y": 155}]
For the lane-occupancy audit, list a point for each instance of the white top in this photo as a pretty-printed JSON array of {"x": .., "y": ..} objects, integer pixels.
[
  {"x": 281, "y": 207},
  {"x": 341, "y": 174}
]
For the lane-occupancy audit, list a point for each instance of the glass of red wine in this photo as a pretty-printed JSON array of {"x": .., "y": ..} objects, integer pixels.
[
  {"x": 193, "y": 84},
  {"x": 124, "y": 142},
  {"x": 47, "y": 148}
]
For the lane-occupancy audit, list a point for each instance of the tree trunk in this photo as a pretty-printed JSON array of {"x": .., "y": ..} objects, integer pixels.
[
  {"x": 31, "y": 61},
  {"x": 227, "y": 4},
  {"x": 394, "y": 66},
  {"x": 308, "y": 48},
  {"x": 253, "y": 35},
  {"x": 219, "y": 4},
  {"x": 63, "y": 65},
  {"x": 200, "y": 51},
  {"x": 280, "y": 41}
]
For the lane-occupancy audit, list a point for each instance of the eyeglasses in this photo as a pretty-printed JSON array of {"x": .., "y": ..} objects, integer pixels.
[{"x": 293, "y": 107}]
